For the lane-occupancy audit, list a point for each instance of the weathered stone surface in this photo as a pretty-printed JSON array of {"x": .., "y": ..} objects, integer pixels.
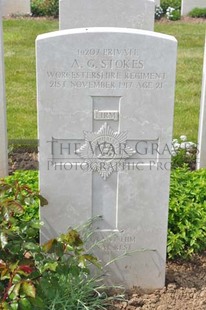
[
  {"x": 189, "y": 5},
  {"x": 11, "y": 7},
  {"x": 138, "y": 14}
]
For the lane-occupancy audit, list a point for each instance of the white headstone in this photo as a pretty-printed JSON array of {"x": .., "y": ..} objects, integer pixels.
[
  {"x": 201, "y": 154},
  {"x": 105, "y": 114},
  {"x": 157, "y": 2},
  {"x": 10, "y": 7},
  {"x": 3, "y": 130},
  {"x": 138, "y": 14},
  {"x": 189, "y": 5}
]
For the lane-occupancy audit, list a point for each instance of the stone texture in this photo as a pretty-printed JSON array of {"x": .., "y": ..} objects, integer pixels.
[
  {"x": 10, "y": 7},
  {"x": 201, "y": 154},
  {"x": 189, "y": 5},
  {"x": 137, "y": 14},
  {"x": 3, "y": 130},
  {"x": 105, "y": 114}
]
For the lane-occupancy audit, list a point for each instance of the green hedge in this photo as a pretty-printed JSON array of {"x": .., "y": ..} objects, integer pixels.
[
  {"x": 187, "y": 212},
  {"x": 187, "y": 209},
  {"x": 198, "y": 13}
]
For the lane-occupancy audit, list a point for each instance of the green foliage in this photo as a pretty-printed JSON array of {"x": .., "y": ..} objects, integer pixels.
[
  {"x": 184, "y": 158},
  {"x": 158, "y": 12},
  {"x": 23, "y": 188},
  {"x": 54, "y": 275},
  {"x": 187, "y": 213},
  {"x": 72, "y": 288},
  {"x": 65, "y": 281},
  {"x": 183, "y": 153},
  {"x": 45, "y": 8},
  {"x": 198, "y": 13},
  {"x": 17, "y": 241},
  {"x": 38, "y": 8},
  {"x": 173, "y": 14},
  {"x": 176, "y": 4},
  {"x": 25, "y": 178}
]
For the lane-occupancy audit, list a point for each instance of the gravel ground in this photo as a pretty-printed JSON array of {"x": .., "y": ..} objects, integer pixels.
[
  {"x": 185, "y": 281},
  {"x": 185, "y": 289},
  {"x": 22, "y": 160}
]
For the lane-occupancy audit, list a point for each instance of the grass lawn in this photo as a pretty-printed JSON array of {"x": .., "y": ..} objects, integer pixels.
[
  {"x": 19, "y": 39},
  {"x": 191, "y": 40},
  {"x": 19, "y": 49}
]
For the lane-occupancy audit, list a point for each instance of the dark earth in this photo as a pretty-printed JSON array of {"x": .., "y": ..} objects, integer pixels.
[{"x": 185, "y": 287}]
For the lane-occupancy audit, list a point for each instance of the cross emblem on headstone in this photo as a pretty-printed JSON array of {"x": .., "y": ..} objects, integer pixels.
[{"x": 105, "y": 152}]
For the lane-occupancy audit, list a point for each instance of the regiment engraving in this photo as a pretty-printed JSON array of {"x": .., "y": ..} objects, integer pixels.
[{"x": 106, "y": 115}]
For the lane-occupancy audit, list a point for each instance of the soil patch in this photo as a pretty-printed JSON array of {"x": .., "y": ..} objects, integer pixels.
[
  {"x": 22, "y": 159},
  {"x": 185, "y": 289}
]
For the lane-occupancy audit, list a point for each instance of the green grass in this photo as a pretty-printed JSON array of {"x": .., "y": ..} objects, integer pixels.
[
  {"x": 19, "y": 38},
  {"x": 19, "y": 48},
  {"x": 189, "y": 75}
]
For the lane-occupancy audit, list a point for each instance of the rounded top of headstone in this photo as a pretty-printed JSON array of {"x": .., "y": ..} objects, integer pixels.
[{"x": 106, "y": 30}]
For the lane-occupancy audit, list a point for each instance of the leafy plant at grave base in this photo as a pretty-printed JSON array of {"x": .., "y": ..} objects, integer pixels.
[
  {"x": 173, "y": 14},
  {"x": 52, "y": 276},
  {"x": 45, "y": 8},
  {"x": 176, "y": 4},
  {"x": 66, "y": 284},
  {"x": 73, "y": 291},
  {"x": 158, "y": 12},
  {"x": 183, "y": 152},
  {"x": 17, "y": 182},
  {"x": 198, "y": 13},
  {"x": 17, "y": 239},
  {"x": 24, "y": 177},
  {"x": 187, "y": 212}
]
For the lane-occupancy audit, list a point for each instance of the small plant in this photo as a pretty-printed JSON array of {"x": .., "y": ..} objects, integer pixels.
[
  {"x": 173, "y": 14},
  {"x": 17, "y": 241},
  {"x": 158, "y": 12},
  {"x": 198, "y": 13},
  {"x": 183, "y": 152},
  {"x": 54, "y": 275},
  {"x": 45, "y": 8},
  {"x": 187, "y": 213},
  {"x": 165, "y": 4}
]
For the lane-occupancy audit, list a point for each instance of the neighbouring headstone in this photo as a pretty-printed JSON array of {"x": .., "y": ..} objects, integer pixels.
[
  {"x": 3, "y": 130},
  {"x": 105, "y": 115},
  {"x": 189, "y": 5},
  {"x": 201, "y": 154},
  {"x": 157, "y": 2},
  {"x": 12, "y": 7},
  {"x": 138, "y": 14}
]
